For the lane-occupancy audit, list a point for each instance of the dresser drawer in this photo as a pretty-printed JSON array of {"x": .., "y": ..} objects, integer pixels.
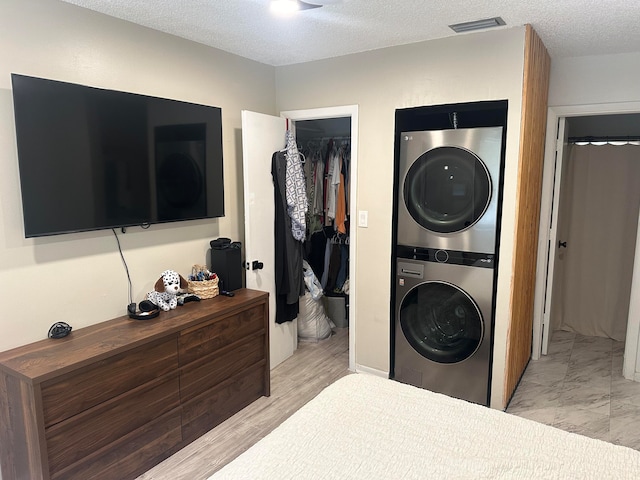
[
  {"x": 199, "y": 376},
  {"x": 79, "y": 391},
  {"x": 214, "y": 406},
  {"x": 132, "y": 455},
  {"x": 203, "y": 340},
  {"x": 79, "y": 436}
]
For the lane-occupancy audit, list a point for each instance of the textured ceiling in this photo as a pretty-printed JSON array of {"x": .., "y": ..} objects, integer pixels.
[{"x": 247, "y": 27}]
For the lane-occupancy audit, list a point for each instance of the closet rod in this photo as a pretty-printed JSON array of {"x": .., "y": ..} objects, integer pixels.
[{"x": 606, "y": 139}]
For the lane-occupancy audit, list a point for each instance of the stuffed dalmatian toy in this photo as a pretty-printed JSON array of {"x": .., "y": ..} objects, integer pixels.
[{"x": 166, "y": 289}]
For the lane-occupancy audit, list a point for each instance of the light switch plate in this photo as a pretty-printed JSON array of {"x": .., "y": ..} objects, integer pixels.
[{"x": 363, "y": 218}]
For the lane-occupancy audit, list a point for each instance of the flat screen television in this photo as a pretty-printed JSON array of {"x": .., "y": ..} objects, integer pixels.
[{"x": 92, "y": 158}]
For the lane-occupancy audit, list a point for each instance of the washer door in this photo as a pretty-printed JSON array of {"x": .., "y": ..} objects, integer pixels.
[
  {"x": 441, "y": 322},
  {"x": 447, "y": 189}
]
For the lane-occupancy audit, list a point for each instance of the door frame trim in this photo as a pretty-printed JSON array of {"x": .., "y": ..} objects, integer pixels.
[
  {"x": 546, "y": 210},
  {"x": 552, "y": 238},
  {"x": 340, "y": 112}
]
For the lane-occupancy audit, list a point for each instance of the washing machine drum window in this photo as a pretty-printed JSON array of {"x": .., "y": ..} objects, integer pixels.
[
  {"x": 447, "y": 189},
  {"x": 441, "y": 322}
]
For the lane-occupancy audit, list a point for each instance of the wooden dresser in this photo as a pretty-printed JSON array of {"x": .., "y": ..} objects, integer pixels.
[{"x": 114, "y": 399}]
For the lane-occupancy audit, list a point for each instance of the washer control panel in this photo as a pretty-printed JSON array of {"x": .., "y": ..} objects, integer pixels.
[{"x": 471, "y": 259}]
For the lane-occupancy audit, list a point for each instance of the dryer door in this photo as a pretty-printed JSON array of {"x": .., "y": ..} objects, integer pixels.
[
  {"x": 447, "y": 189},
  {"x": 441, "y": 322}
]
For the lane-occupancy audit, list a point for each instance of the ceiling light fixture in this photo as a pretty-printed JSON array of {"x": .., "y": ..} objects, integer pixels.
[
  {"x": 289, "y": 7},
  {"x": 477, "y": 25}
]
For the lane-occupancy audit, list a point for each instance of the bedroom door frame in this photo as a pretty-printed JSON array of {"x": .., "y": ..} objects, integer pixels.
[
  {"x": 561, "y": 137},
  {"x": 546, "y": 213},
  {"x": 342, "y": 112}
]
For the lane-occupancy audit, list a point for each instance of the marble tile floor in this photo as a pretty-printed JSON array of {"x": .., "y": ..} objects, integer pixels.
[{"x": 579, "y": 387}]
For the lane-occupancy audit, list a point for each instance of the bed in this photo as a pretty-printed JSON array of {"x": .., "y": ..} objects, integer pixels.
[{"x": 366, "y": 427}]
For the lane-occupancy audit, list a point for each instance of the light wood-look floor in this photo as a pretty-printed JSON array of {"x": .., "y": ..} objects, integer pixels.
[{"x": 294, "y": 382}]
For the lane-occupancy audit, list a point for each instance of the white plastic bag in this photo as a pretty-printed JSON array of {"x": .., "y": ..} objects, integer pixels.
[
  {"x": 313, "y": 324},
  {"x": 311, "y": 281}
]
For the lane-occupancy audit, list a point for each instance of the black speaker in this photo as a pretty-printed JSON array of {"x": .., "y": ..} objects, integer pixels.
[{"x": 227, "y": 264}]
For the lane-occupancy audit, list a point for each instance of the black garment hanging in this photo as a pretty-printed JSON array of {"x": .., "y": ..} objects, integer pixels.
[
  {"x": 288, "y": 251},
  {"x": 334, "y": 267},
  {"x": 315, "y": 249}
]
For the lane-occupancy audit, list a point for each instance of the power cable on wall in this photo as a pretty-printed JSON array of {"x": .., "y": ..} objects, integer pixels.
[{"x": 126, "y": 268}]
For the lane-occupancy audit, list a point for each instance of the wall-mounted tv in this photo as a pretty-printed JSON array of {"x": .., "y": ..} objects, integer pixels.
[{"x": 92, "y": 158}]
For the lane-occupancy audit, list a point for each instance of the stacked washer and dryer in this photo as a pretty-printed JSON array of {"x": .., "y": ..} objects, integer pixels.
[{"x": 445, "y": 257}]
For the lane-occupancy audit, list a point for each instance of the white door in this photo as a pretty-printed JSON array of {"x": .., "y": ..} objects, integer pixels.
[
  {"x": 553, "y": 245},
  {"x": 262, "y": 135}
]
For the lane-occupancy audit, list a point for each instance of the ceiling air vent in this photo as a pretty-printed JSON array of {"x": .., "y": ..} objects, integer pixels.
[{"x": 477, "y": 25}]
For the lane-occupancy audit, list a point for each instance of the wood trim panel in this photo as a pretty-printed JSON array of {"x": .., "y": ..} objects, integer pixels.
[{"x": 537, "y": 65}]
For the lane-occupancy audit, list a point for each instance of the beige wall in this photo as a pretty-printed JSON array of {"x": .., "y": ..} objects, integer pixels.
[
  {"x": 595, "y": 79},
  {"x": 482, "y": 66},
  {"x": 79, "y": 278}
]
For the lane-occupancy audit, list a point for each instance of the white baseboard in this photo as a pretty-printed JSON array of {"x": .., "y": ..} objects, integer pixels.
[{"x": 371, "y": 371}]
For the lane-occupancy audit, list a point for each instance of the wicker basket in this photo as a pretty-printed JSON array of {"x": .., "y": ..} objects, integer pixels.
[{"x": 203, "y": 288}]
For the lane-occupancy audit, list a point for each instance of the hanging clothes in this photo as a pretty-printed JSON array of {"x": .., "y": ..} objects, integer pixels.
[
  {"x": 326, "y": 245},
  {"x": 296, "y": 189},
  {"x": 314, "y": 171},
  {"x": 341, "y": 203},
  {"x": 289, "y": 277},
  {"x": 343, "y": 273},
  {"x": 333, "y": 181},
  {"x": 346, "y": 165},
  {"x": 334, "y": 268},
  {"x": 315, "y": 251}
]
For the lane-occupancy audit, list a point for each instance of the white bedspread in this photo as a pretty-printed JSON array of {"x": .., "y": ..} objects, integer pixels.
[{"x": 365, "y": 427}]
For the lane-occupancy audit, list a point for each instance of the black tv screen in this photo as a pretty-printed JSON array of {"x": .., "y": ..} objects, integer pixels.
[{"x": 91, "y": 158}]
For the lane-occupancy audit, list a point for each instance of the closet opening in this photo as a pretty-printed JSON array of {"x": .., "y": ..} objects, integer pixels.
[
  {"x": 325, "y": 145},
  {"x": 597, "y": 226},
  {"x": 594, "y": 223}
]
